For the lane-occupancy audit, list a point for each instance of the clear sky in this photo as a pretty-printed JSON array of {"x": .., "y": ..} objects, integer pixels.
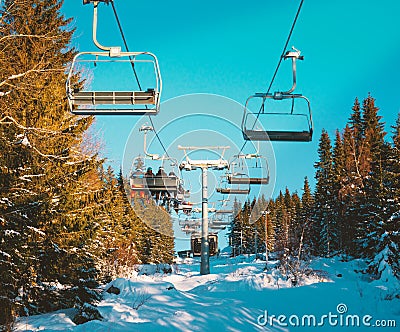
[{"x": 231, "y": 48}]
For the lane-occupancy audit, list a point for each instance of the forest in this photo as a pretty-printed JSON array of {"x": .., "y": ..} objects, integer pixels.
[
  {"x": 354, "y": 210},
  {"x": 67, "y": 225}
]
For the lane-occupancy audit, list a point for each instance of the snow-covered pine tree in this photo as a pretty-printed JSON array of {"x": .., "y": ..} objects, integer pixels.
[
  {"x": 339, "y": 178},
  {"x": 351, "y": 191},
  {"x": 49, "y": 185},
  {"x": 155, "y": 240},
  {"x": 234, "y": 229},
  {"x": 115, "y": 240},
  {"x": 282, "y": 222},
  {"x": 386, "y": 260},
  {"x": 295, "y": 228},
  {"x": 263, "y": 226},
  {"x": 247, "y": 230},
  {"x": 305, "y": 219},
  {"x": 373, "y": 208},
  {"x": 241, "y": 230},
  {"x": 325, "y": 229}
]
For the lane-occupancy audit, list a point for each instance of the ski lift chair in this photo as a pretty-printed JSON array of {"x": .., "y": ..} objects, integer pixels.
[
  {"x": 302, "y": 133},
  {"x": 226, "y": 190},
  {"x": 84, "y": 101},
  {"x": 108, "y": 101},
  {"x": 251, "y": 133},
  {"x": 246, "y": 179},
  {"x": 195, "y": 243}
]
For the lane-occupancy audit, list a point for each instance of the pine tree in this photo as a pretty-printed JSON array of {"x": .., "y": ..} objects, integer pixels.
[
  {"x": 263, "y": 227},
  {"x": 295, "y": 228},
  {"x": 155, "y": 241},
  {"x": 235, "y": 229},
  {"x": 351, "y": 190},
  {"x": 305, "y": 219},
  {"x": 324, "y": 231},
  {"x": 373, "y": 206},
  {"x": 115, "y": 241},
  {"x": 49, "y": 185},
  {"x": 281, "y": 221},
  {"x": 339, "y": 178},
  {"x": 247, "y": 230},
  {"x": 385, "y": 260},
  {"x": 356, "y": 125}
]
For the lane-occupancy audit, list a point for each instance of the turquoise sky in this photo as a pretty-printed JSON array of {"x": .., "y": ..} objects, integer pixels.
[{"x": 231, "y": 48}]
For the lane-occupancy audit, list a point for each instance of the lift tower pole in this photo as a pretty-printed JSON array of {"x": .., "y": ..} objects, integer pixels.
[
  {"x": 189, "y": 165},
  {"x": 205, "y": 246}
]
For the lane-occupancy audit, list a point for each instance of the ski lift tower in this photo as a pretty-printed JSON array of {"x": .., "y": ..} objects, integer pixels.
[{"x": 190, "y": 165}]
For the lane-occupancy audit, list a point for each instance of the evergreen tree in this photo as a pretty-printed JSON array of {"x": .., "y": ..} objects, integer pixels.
[
  {"x": 325, "y": 237},
  {"x": 339, "y": 178},
  {"x": 115, "y": 246},
  {"x": 155, "y": 241},
  {"x": 351, "y": 190},
  {"x": 263, "y": 227},
  {"x": 295, "y": 228},
  {"x": 49, "y": 185},
  {"x": 356, "y": 125},
  {"x": 235, "y": 229},
  {"x": 385, "y": 260},
  {"x": 282, "y": 223},
  {"x": 247, "y": 230},
  {"x": 305, "y": 219},
  {"x": 372, "y": 209}
]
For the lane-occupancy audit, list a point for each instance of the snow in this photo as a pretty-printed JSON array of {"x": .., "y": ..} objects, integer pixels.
[
  {"x": 11, "y": 232},
  {"x": 5, "y": 254},
  {"x": 28, "y": 177},
  {"x": 36, "y": 230},
  {"x": 5, "y": 200},
  {"x": 236, "y": 296}
]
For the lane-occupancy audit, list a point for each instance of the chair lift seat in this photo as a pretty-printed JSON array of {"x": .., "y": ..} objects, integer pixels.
[
  {"x": 162, "y": 184},
  {"x": 137, "y": 183},
  {"x": 114, "y": 97},
  {"x": 247, "y": 180},
  {"x": 220, "y": 223},
  {"x": 224, "y": 211},
  {"x": 233, "y": 191},
  {"x": 282, "y": 136},
  {"x": 190, "y": 223},
  {"x": 188, "y": 230},
  {"x": 217, "y": 228}
]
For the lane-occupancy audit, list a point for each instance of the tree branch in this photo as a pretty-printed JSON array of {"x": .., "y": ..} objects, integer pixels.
[{"x": 15, "y": 76}]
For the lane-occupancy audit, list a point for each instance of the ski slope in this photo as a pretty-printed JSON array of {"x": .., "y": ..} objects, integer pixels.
[{"x": 239, "y": 295}]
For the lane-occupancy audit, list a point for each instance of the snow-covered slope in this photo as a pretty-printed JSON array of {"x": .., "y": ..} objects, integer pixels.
[{"x": 238, "y": 295}]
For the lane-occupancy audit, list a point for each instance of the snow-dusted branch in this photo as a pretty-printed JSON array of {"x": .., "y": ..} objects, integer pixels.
[
  {"x": 10, "y": 120},
  {"x": 27, "y": 36},
  {"x": 15, "y": 76}
]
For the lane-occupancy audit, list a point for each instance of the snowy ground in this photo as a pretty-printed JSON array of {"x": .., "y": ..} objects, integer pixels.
[{"x": 238, "y": 296}]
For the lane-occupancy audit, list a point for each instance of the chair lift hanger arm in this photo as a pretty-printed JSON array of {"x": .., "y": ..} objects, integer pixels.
[{"x": 114, "y": 50}]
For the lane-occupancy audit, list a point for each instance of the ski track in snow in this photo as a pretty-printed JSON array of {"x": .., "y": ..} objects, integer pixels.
[{"x": 231, "y": 298}]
